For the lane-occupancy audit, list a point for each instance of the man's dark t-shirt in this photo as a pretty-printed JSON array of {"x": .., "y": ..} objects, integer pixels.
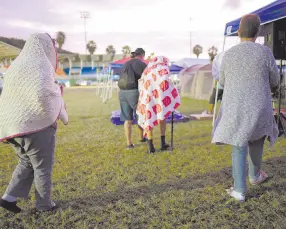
[{"x": 131, "y": 73}]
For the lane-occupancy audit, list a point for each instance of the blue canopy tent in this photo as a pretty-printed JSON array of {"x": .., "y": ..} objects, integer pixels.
[
  {"x": 175, "y": 69},
  {"x": 272, "y": 12}
]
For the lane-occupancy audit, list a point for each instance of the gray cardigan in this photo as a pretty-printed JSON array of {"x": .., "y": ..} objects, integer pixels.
[{"x": 248, "y": 72}]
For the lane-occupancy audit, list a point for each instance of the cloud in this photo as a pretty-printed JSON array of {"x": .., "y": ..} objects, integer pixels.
[
  {"x": 233, "y": 4},
  {"x": 113, "y": 5},
  {"x": 35, "y": 11},
  {"x": 36, "y": 26},
  {"x": 161, "y": 26}
]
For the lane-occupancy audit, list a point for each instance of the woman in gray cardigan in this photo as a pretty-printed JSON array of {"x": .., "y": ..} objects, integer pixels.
[{"x": 248, "y": 73}]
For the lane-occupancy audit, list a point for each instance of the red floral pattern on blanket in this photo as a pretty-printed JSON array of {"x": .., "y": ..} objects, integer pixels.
[{"x": 158, "y": 95}]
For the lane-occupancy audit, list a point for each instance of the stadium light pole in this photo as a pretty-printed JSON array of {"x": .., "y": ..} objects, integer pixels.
[{"x": 85, "y": 15}]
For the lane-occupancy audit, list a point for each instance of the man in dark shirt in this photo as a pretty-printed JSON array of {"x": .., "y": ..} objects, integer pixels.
[{"x": 128, "y": 94}]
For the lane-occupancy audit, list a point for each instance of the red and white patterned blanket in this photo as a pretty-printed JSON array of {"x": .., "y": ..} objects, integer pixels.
[{"x": 158, "y": 95}]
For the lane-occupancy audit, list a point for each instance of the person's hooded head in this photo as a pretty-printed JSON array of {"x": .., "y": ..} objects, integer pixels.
[
  {"x": 161, "y": 62},
  {"x": 31, "y": 100}
]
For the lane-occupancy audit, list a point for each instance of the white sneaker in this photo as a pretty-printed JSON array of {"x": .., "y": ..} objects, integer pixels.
[
  {"x": 262, "y": 177},
  {"x": 236, "y": 195}
]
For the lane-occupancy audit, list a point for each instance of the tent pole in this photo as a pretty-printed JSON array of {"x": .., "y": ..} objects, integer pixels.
[{"x": 216, "y": 94}]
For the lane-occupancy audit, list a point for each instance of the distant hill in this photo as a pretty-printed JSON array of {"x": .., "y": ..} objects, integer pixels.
[{"x": 19, "y": 43}]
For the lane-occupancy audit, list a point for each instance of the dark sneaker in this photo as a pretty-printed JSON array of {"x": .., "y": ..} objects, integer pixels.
[
  {"x": 10, "y": 206},
  {"x": 130, "y": 147},
  {"x": 152, "y": 151},
  {"x": 143, "y": 140},
  {"x": 54, "y": 207},
  {"x": 165, "y": 147}
]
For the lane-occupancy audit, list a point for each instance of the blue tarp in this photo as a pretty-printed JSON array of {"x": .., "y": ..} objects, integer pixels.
[
  {"x": 84, "y": 71},
  {"x": 178, "y": 117},
  {"x": 116, "y": 65},
  {"x": 175, "y": 68},
  {"x": 269, "y": 13}
]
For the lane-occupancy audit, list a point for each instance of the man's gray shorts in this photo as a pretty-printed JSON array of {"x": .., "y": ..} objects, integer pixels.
[{"x": 128, "y": 104}]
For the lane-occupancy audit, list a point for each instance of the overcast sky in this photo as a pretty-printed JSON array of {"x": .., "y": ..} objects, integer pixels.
[{"x": 160, "y": 26}]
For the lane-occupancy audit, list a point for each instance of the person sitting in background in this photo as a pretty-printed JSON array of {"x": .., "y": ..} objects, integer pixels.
[
  {"x": 1, "y": 83},
  {"x": 128, "y": 94},
  {"x": 158, "y": 99},
  {"x": 248, "y": 73},
  {"x": 215, "y": 73},
  {"x": 30, "y": 104}
]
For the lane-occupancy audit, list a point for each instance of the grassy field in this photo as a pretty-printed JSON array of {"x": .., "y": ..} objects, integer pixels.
[{"x": 99, "y": 184}]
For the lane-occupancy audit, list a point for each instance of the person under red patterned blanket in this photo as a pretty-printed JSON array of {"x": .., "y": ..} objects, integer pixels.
[{"x": 158, "y": 99}]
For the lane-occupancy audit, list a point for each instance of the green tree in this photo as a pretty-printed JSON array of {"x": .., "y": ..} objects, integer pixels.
[
  {"x": 152, "y": 55},
  {"x": 198, "y": 50},
  {"x": 212, "y": 52},
  {"x": 110, "y": 50},
  {"x": 126, "y": 50},
  {"x": 91, "y": 47},
  {"x": 61, "y": 38}
]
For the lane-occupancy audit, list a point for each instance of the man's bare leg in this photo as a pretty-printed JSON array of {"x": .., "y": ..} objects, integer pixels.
[
  {"x": 150, "y": 135},
  {"x": 128, "y": 131},
  {"x": 141, "y": 134},
  {"x": 163, "y": 127}
]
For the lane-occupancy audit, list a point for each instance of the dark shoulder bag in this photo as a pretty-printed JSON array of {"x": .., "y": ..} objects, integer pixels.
[{"x": 124, "y": 82}]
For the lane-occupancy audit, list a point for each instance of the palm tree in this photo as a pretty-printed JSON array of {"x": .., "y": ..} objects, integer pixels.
[
  {"x": 91, "y": 47},
  {"x": 110, "y": 50},
  {"x": 198, "y": 50},
  {"x": 152, "y": 55},
  {"x": 61, "y": 38},
  {"x": 212, "y": 52},
  {"x": 126, "y": 50}
]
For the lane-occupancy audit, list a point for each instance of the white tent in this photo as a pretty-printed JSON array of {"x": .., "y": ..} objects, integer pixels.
[
  {"x": 189, "y": 62},
  {"x": 196, "y": 82}
]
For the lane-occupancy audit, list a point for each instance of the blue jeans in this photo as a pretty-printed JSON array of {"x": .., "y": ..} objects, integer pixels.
[{"x": 254, "y": 150}]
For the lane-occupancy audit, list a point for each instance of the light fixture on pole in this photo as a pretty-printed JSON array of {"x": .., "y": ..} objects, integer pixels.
[{"x": 85, "y": 15}]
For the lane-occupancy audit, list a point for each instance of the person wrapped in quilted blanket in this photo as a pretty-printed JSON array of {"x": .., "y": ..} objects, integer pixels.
[
  {"x": 30, "y": 104},
  {"x": 158, "y": 99}
]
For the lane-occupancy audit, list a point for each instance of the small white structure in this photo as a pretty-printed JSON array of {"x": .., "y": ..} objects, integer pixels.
[{"x": 189, "y": 62}]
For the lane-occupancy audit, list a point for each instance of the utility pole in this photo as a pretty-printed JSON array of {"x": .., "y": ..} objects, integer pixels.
[
  {"x": 85, "y": 15},
  {"x": 191, "y": 51}
]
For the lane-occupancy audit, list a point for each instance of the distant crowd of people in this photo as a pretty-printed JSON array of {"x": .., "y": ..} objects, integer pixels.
[{"x": 31, "y": 104}]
